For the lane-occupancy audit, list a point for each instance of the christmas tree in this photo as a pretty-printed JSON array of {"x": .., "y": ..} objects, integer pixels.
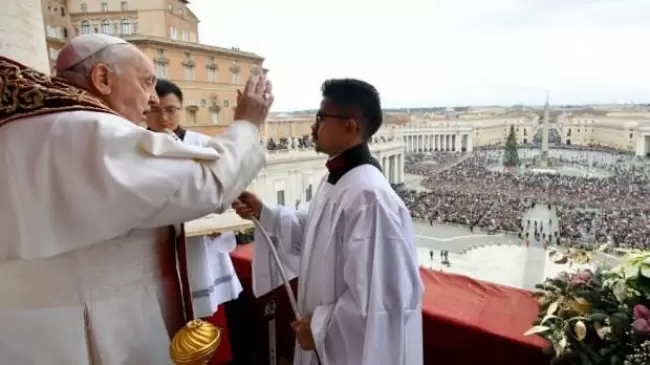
[{"x": 510, "y": 155}]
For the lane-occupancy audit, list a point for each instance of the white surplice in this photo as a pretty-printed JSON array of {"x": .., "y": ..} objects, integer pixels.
[
  {"x": 211, "y": 273},
  {"x": 355, "y": 256},
  {"x": 86, "y": 198}
]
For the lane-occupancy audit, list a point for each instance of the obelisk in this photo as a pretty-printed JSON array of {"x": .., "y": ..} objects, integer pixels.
[
  {"x": 22, "y": 34},
  {"x": 544, "y": 155}
]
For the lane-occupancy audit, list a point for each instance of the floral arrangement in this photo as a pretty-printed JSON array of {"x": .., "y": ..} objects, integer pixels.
[{"x": 600, "y": 317}]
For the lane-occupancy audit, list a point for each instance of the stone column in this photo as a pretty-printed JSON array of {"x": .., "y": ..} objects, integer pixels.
[
  {"x": 22, "y": 34},
  {"x": 400, "y": 168},
  {"x": 640, "y": 145},
  {"x": 469, "y": 143}
]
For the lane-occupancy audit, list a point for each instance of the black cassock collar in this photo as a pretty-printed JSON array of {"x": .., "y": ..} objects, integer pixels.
[{"x": 349, "y": 159}]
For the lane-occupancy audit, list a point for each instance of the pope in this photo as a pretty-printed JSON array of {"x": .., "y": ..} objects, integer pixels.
[{"x": 88, "y": 255}]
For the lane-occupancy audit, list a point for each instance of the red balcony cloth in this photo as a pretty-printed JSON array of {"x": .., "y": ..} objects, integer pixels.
[{"x": 465, "y": 321}]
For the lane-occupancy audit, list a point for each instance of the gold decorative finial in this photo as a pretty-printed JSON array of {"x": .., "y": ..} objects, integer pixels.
[{"x": 195, "y": 344}]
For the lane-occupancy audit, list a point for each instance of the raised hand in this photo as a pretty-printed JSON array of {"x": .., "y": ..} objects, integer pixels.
[{"x": 254, "y": 102}]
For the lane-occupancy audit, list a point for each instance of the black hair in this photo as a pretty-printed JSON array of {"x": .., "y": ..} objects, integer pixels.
[
  {"x": 165, "y": 87},
  {"x": 359, "y": 97}
]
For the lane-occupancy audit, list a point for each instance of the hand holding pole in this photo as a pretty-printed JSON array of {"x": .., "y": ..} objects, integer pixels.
[{"x": 283, "y": 274}]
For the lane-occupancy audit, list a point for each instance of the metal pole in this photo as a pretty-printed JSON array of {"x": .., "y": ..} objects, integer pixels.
[
  {"x": 275, "y": 258},
  {"x": 269, "y": 312}
]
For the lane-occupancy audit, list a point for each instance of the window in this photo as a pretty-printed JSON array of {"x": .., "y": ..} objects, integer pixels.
[
  {"x": 124, "y": 6},
  {"x": 280, "y": 197},
  {"x": 308, "y": 193},
  {"x": 185, "y": 36},
  {"x": 106, "y": 27},
  {"x": 161, "y": 70},
  {"x": 126, "y": 26},
  {"x": 214, "y": 117},
  {"x": 191, "y": 116},
  {"x": 62, "y": 11},
  {"x": 172, "y": 33},
  {"x": 84, "y": 7},
  {"x": 85, "y": 27},
  {"x": 234, "y": 78},
  {"x": 65, "y": 33},
  {"x": 170, "y": 7},
  {"x": 51, "y": 31},
  {"x": 212, "y": 75},
  {"x": 188, "y": 72},
  {"x": 104, "y": 6},
  {"x": 54, "y": 53}
]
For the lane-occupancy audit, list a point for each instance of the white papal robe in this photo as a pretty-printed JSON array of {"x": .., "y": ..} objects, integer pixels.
[
  {"x": 212, "y": 276},
  {"x": 355, "y": 256},
  {"x": 86, "y": 200}
]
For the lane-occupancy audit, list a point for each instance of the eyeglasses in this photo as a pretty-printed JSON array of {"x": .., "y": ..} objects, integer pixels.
[
  {"x": 170, "y": 110},
  {"x": 320, "y": 117}
]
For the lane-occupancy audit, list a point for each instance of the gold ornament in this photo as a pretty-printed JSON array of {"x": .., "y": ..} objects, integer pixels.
[{"x": 195, "y": 344}]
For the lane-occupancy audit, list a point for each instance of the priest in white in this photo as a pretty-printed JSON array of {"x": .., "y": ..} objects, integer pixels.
[
  {"x": 88, "y": 272},
  {"x": 212, "y": 276},
  {"x": 353, "y": 250}
]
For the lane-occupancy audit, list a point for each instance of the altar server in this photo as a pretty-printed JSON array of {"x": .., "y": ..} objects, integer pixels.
[
  {"x": 212, "y": 277},
  {"x": 353, "y": 250},
  {"x": 88, "y": 271}
]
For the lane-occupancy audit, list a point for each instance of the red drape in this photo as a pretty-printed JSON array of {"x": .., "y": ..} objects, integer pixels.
[{"x": 465, "y": 321}]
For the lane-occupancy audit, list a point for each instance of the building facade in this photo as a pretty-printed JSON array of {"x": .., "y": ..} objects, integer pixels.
[
  {"x": 626, "y": 131},
  {"x": 293, "y": 175},
  {"x": 209, "y": 77}
]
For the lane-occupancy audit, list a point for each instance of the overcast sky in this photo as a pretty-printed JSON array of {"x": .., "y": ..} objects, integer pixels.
[{"x": 443, "y": 52}]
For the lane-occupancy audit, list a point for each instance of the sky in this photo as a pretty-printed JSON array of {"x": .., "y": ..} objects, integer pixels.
[{"x": 426, "y": 53}]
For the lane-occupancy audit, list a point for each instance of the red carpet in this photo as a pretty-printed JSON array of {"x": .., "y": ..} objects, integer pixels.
[{"x": 466, "y": 321}]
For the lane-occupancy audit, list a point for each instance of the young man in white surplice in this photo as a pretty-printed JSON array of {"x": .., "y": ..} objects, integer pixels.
[
  {"x": 212, "y": 276},
  {"x": 353, "y": 250}
]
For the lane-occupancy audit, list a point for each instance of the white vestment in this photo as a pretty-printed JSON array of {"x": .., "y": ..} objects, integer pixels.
[
  {"x": 211, "y": 273},
  {"x": 86, "y": 200},
  {"x": 355, "y": 256}
]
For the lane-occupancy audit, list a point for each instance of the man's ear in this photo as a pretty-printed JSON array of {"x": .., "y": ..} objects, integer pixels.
[{"x": 99, "y": 79}]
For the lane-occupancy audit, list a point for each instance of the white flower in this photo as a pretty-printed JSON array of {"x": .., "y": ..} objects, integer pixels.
[{"x": 621, "y": 290}]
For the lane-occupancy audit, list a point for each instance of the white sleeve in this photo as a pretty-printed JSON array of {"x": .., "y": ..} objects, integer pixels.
[
  {"x": 107, "y": 176},
  {"x": 212, "y": 185},
  {"x": 285, "y": 226}
]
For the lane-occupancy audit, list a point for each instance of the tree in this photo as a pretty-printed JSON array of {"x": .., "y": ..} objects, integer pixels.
[{"x": 510, "y": 155}]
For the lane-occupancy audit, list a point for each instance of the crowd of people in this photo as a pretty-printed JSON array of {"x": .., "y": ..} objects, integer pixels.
[
  {"x": 285, "y": 143},
  {"x": 602, "y": 198},
  {"x": 305, "y": 142}
]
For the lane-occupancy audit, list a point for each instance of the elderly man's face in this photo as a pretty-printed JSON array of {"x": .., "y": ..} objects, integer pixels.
[{"x": 130, "y": 91}]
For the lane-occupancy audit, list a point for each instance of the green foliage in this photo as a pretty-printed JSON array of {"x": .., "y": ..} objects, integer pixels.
[
  {"x": 510, "y": 154},
  {"x": 595, "y": 318},
  {"x": 244, "y": 237}
]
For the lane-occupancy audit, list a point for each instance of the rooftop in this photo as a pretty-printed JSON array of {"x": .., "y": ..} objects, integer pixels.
[{"x": 159, "y": 41}]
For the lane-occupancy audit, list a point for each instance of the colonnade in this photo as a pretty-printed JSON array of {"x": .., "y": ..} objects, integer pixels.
[
  {"x": 453, "y": 142},
  {"x": 393, "y": 167}
]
